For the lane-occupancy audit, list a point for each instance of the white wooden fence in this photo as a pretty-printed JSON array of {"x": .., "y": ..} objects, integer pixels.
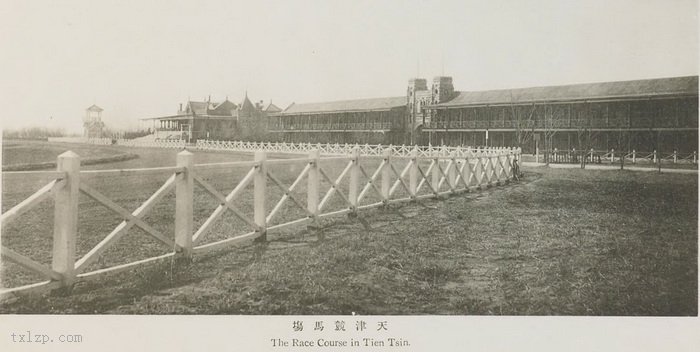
[
  {"x": 297, "y": 148},
  {"x": 612, "y": 156},
  {"x": 157, "y": 143},
  {"x": 365, "y": 182},
  {"x": 346, "y": 149}
]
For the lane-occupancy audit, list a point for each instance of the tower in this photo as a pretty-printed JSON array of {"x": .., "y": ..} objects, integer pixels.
[
  {"x": 415, "y": 85},
  {"x": 415, "y": 93},
  {"x": 442, "y": 89},
  {"x": 92, "y": 122}
]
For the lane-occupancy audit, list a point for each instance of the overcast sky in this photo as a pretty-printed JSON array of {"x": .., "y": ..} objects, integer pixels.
[{"x": 141, "y": 59}]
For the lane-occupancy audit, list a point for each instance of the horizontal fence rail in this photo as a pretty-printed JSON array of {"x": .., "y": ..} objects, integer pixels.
[{"x": 368, "y": 178}]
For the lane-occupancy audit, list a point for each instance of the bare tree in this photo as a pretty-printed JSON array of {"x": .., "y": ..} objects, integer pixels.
[
  {"x": 524, "y": 128},
  {"x": 585, "y": 134}
]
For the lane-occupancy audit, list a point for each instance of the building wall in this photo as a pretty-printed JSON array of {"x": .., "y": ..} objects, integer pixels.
[
  {"x": 373, "y": 127},
  {"x": 643, "y": 124}
]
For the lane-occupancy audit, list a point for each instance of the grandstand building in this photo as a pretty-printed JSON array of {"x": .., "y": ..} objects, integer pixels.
[
  {"x": 213, "y": 120},
  {"x": 652, "y": 114}
]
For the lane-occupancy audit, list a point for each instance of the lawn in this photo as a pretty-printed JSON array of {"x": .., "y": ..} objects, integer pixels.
[
  {"x": 36, "y": 155},
  {"x": 562, "y": 242}
]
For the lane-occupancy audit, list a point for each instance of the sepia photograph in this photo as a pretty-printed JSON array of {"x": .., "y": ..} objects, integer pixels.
[{"x": 349, "y": 175}]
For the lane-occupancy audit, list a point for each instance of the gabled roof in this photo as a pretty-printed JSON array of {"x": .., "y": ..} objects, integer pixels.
[
  {"x": 346, "y": 105},
  {"x": 198, "y": 107},
  {"x": 271, "y": 108},
  {"x": 223, "y": 109},
  {"x": 95, "y": 108},
  {"x": 622, "y": 89}
]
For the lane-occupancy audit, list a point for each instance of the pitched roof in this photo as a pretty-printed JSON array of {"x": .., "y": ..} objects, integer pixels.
[
  {"x": 198, "y": 107},
  {"x": 621, "y": 89},
  {"x": 95, "y": 108},
  {"x": 272, "y": 108},
  {"x": 223, "y": 109},
  {"x": 346, "y": 105},
  {"x": 246, "y": 105}
]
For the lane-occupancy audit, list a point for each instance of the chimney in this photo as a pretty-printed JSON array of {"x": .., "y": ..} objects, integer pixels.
[{"x": 180, "y": 107}]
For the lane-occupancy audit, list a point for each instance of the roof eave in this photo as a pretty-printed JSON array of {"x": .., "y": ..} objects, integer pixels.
[
  {"x": 611, "y": 97},
  {"x": 338, "y": 111}
]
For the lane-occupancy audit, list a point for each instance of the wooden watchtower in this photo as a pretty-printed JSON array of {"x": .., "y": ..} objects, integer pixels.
[{"x": 92, "y": 122}]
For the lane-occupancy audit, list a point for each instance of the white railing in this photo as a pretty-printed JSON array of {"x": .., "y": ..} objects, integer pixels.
[
  {"x": 157, "y": 143},
  {"x": 301, "y": 148},
  {"x": 345, "y": 149},
  {"x": 612, "y": 156},
  {"x": 365, "y": 182}
]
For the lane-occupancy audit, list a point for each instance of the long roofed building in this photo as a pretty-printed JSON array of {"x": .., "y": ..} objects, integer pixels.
[
  {"x": 375, "y": 120},
  {"x": 644, "y": 115},
  {"x": 650, "y": 114}
]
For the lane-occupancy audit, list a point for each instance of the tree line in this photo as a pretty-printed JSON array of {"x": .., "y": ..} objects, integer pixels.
[{"x": 33, "y": 133}]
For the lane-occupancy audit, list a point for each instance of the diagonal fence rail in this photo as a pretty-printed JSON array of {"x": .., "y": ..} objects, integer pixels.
[{"x": 365, "y": 181}]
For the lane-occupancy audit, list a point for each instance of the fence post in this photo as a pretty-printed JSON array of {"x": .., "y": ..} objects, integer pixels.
[
  {"x": 65, "y": 229},
  {"x": 386, "y": 175},
  {"x": 413, "y": 173},
  {"x": 695, "y": 157},
  {"x": 675, "y": 156},
  {"x": 509, "y": 164},
  {"x": 259, "y": 190},
  {"x": 452, "y": 175},
  {"x": 436, "y": 175},
  {"x": 353, "y": 190},
  {"x": 466, "y": 175},
  {"x": 634, "y": 156},
  {"x": 612, "y": 156},
  {"x": 184, "y": 193},
  {"x": 622, "y": 161},
  {"x": 314, "y": 179},
  {"x": 654, "y": 157}
]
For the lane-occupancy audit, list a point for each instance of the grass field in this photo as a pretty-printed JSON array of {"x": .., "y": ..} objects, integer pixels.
[
  {"x": 563, "y": 242},
  {"x": 36, "y": 155}
]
